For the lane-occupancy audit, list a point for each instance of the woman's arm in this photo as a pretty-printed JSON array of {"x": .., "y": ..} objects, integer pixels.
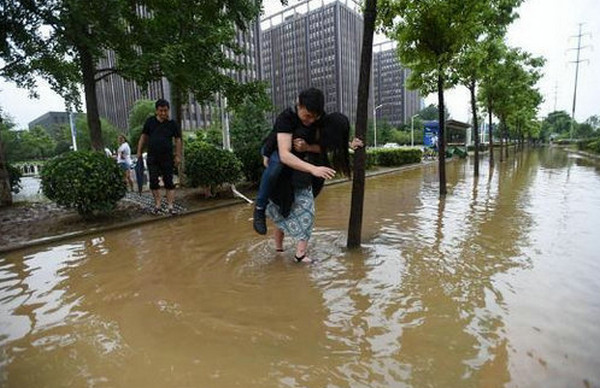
[{"x": 284, "y": 141}]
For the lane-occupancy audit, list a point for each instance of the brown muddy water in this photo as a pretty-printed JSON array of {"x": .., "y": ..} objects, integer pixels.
[{"x": 497, "y": 285}]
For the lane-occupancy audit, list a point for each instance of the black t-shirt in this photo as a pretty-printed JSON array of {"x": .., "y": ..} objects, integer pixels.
[
  {"x": 160, "y": 137},
  {"x": 289, "y": 122}
]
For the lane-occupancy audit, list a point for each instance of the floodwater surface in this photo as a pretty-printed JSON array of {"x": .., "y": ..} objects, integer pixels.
[{"x": 498, "y": 284}]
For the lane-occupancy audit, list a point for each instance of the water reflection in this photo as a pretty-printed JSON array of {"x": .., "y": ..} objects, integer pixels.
[{"x": 445, "y": 292}]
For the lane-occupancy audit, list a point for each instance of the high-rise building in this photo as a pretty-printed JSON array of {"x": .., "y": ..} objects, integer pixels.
[
  {"x": 314, "y": 43},
  {"x": 393, "y": 101},
  {"x": 50, "y": 119},
  {"x": 116, "y": 96}
]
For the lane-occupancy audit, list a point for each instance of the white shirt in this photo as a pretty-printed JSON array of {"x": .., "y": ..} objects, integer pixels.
[{"x": 124, "y": 154}]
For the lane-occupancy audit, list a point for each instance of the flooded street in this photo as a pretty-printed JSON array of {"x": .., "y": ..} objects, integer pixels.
[{"x": 497, "y": 285}]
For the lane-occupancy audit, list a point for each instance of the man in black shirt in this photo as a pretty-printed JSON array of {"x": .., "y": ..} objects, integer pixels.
[{"x": 159, "y": 133}]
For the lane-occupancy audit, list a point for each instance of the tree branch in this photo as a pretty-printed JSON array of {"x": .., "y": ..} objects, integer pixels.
[{"x": 108, "y": 71}]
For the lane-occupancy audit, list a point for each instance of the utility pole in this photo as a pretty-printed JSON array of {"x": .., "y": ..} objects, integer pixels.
[
  {"x": 555, "y": 94},
  {"x": 577, "y": 62}
]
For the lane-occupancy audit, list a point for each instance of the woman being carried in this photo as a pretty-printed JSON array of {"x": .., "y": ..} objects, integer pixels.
[{"x": 291, "y": 204}]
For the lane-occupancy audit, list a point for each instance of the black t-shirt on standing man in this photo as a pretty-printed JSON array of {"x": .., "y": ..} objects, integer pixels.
[{"x": 160, "y": 137}]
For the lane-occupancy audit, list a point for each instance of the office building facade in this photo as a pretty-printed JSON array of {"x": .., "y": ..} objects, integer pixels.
[
  {"x": 50, "y": 119},
  {"x": 394, "y": 102},
  {"x": 314, "y": 43}
]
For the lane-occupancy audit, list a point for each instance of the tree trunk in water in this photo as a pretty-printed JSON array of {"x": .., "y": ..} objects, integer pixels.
[
  {"x": 501, "y": 140},
  {"x": 5, "y": 191},
  {"x": 475, "y": 128},
  {"x": 362, "y": 112},
  {"x": 88, "y": 68},
  {"x": 491, "y": 140},
  {"x": 506, "y": 143},
  {"x": 442, "y": 134}
]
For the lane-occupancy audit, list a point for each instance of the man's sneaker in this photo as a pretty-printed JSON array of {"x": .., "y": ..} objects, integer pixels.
[{"x": 260, "y": 223}]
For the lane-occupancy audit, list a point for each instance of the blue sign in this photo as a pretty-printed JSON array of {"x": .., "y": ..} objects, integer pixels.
[{"x": 431, "y": 133}]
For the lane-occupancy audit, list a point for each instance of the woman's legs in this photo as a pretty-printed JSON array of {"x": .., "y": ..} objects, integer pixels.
[
  {"x": 301, "y": 250},
  {"x": 128, "y": 179},
  {"x": 278, "y": 236}
]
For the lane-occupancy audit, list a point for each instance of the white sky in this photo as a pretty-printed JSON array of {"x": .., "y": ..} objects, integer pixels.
[{"x": 544, "y": 29}]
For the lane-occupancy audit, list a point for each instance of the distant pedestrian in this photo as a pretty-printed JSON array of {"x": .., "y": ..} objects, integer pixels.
[
  {"x": 124, "y": 160},
  {"x": 159, "y": 132}
]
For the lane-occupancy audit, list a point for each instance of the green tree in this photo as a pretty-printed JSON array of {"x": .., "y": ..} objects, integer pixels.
[
  {"x": 430, "y": 35},
  {"x": 192, "y": 44},
  {"x": 5, "y": 186},
  {"x": 584, "y": 131},
  {"x": 594, "y": 121},
  {"x": 62, "y": 41},
  {"x": 39, "y": 143},
  {"x": 109, "y": 134},
  {"x": 431, "y": 112},
  {"x": 249, "y": 127},
  {"x": 141, "y": 110},
  {"x": 557, "y": 122},
  {"x": 471, "y": 63}
]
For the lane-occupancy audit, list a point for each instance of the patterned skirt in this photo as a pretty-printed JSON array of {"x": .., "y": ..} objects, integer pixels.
[{"x": 299, "y": 224}]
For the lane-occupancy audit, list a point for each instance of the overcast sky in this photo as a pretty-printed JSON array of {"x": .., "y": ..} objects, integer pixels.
[{"x": 545, "y": 28}]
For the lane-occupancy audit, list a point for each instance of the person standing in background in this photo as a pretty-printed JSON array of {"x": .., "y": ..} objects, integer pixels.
[
  {"x": 124, "y": 160},
  {"x": 159, "y": 132}
]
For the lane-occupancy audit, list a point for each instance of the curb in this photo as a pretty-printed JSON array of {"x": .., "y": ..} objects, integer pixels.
[{"x": 148, "y": 219}]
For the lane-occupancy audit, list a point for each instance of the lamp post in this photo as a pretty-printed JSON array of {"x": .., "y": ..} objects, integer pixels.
[
  {"x": 375, "y": 119},
  {"x": 412, "y": 130},
  {"x": 375, "y": 124}
]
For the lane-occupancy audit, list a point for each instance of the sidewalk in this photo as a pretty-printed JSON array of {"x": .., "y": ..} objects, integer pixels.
[{"x": 44, "y": 223}]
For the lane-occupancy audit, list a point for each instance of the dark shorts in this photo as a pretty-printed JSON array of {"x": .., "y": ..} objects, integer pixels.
[{"x": 161, "y": 167}]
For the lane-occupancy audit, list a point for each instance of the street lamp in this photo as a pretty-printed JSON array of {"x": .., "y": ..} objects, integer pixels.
[
  {"x": 412, "y": 130},
  {"x": 375, "y": 119}
]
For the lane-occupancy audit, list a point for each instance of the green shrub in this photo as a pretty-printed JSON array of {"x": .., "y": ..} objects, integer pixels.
[
  {"x": 594, "y": 146},
  {"x": 14, "y": 176},
  {"x": 251, "y": 159},
  {"x": 370, "y": 161},
  {"x": 86, "y": 181},
  {"x": 209, "y": 166},
  {"x": 591, "y": 145},
  {"x": 397, "y": 156}
]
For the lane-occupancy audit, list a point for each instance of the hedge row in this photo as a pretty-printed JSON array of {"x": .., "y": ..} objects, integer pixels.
[
  {"x": 590, "y": 145},
  {"x": 395, "y": 156}
]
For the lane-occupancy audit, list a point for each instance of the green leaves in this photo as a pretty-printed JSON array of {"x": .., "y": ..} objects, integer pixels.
[
  {"x": 209, "y": 166},
  {"x": 88, "y": 182}
]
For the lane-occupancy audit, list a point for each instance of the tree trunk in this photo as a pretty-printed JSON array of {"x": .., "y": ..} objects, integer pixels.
[
  {"x": 491, "y": 140},
  {"x": 506, "y": 143},
  {"x": 501, "y": 139},
  {"x": 475, "y": 127},
  {"x": 91, "y": 103},
  {"x": 442, "y": 134},
  {"x": 362, "y": 112},
  {"x": 5, "y": 191}
]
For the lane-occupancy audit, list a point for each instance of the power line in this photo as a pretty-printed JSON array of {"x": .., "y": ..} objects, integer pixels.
[{"x": 577, "y": 62}]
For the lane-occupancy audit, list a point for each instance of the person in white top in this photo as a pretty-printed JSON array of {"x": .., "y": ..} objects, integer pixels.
[{"x": 124, "y": 160}]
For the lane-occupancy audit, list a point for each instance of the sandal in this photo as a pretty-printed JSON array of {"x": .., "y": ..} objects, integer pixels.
[
  {"x": 279, "y": 250},
  {"x": 302, "y": 259}
]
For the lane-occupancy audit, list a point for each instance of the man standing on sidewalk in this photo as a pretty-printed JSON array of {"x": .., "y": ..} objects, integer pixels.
[{"x": 159, "y": 132}]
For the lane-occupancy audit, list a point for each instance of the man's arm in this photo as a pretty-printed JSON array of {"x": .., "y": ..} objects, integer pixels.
[
  {"x": 300, "y": 145},
  {"x": 284, "y": 141},
  {"x": 178, "y": 147},
  {"x": 141, "y": 143}
]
